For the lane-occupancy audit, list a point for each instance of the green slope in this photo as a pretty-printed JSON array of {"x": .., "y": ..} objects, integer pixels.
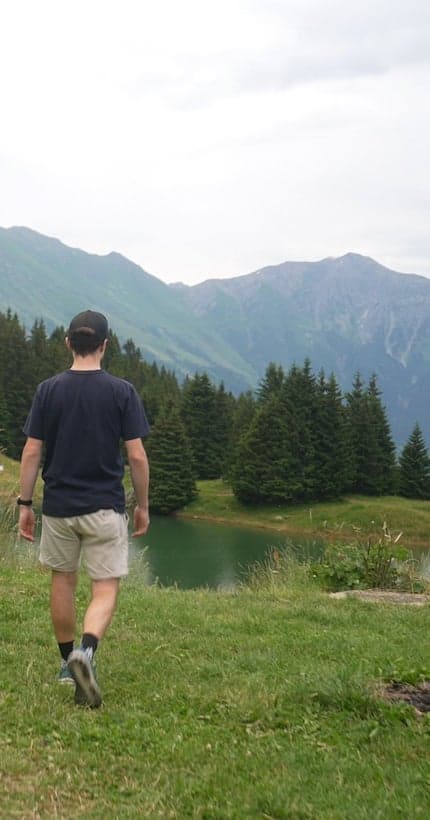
[{"x": 42, "y": 277}]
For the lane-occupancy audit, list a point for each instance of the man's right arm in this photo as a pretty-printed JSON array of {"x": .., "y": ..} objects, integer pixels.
[
  {"x": 30, "y": 462},
  {"x": 139, "y": 469}
]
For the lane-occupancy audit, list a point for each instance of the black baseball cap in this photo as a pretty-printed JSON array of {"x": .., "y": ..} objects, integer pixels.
[{"x": 90, "y": 320}]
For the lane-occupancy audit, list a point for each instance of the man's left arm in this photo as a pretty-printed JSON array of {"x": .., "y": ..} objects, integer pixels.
[{"x": 30, "y": 463}]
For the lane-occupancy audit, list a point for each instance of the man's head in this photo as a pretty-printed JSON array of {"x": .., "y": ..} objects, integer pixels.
[{"x": 87, "y": 332}]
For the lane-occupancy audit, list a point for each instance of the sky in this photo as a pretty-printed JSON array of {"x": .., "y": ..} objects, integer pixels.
[{"x": 207, "y": 140}]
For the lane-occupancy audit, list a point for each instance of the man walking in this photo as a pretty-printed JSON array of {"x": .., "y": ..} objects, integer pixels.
[{"x": 79, "y": 419}]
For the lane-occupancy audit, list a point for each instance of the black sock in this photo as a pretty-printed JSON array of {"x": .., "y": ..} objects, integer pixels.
[
  {"x": 89, "y": 641},
  {"x": 65, "y": 649}
]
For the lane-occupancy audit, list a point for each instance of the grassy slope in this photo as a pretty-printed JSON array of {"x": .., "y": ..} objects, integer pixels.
[
  {"x": 256, "y": 704},
  {"x": 335, "y": 519}
]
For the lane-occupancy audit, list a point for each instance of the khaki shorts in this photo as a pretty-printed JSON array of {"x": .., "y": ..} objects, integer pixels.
[{"x": 100, "y": 538}]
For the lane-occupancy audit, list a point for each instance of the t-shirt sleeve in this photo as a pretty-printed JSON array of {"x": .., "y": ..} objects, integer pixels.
[
  {"x": 34, "y": 425},
  {"x": 134, "y": 421}
]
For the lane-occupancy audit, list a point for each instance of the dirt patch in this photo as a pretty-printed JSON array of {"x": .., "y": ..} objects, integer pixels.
[
  {"x": 384, "y": 596},
  {"x": 417, "y": 696}
]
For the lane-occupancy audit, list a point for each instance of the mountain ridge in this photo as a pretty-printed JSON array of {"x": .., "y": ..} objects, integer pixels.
[{"x": 346, "y": 314}]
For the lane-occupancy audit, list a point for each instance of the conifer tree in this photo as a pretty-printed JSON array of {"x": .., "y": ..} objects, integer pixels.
[
  {"x": 172, "y": 482},
  {"x": 199, "y": 414},
  {"x": 242, "y": 415},
  {"x": 59, "y": 356},
  {"x": 301, "y": 403},
  {"x": 384, "y": 461},
  {"x": 414, "y": 481},
  {"x": 373, "y": 452},
  {"x": 113, "y": 358},
  {"x": 362, "y": 437},
  {"x": 272, "y": 383},
  {"x": 6, "y": 442},
  {"x": 16, "y": 381},
  {"x": 262, "y": 473},
  {"x": 222, "y": 432},
  {"x": 39, "y": 352},
  {"x": 331, "y": 444}
]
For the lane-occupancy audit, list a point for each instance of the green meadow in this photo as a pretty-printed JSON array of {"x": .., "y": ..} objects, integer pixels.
[
  {"x": 350, "y": 517},
  {"x": 344, "y": 519},
  {"x": 264, "y": 702},
  {"x": 261, "y": 703}
]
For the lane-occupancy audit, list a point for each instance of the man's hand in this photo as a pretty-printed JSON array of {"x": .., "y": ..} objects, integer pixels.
[
  {"x": 27, "y": 523},
  {"x": 141, "y": 521}
]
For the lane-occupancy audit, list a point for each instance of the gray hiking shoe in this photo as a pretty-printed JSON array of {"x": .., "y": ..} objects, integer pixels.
[
  {"x": 64, "y": 675},
  {"x": 87, "y": 692}
]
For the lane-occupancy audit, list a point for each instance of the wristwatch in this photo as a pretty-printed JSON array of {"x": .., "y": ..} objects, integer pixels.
[{"x": 24, "y": 502}]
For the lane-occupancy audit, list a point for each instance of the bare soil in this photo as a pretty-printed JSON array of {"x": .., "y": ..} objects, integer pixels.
[{"x": 417, "y": 696}]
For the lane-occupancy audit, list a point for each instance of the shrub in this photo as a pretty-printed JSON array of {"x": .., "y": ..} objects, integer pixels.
[{"x": 377, "y": 563}]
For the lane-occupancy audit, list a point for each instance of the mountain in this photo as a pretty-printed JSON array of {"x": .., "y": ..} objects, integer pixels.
[
  {"x": 345, "y": 314},
  {"x": 42, "y": 277}
]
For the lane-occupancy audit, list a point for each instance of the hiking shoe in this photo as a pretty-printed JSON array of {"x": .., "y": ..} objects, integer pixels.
[
  {"x": 64, "y": 675},
  {"x": 87, "y": 692}
]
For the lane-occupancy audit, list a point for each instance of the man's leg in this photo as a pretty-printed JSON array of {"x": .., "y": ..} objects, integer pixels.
[
  {"x": 98, "y": 616},
  {"x": 100, "y": 610},
  {"x": 104, "y": 555},
  {"x": 63, "y": 615},
  {"x": 63, "y": 612}
]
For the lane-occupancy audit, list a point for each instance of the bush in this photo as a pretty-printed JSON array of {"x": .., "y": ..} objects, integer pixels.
[{"x": 377, "y": 563}]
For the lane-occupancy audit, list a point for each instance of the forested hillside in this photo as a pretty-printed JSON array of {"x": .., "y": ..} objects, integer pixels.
[
  {"x": 346, "y": 315},
  {"x": 297, "y": 439}
]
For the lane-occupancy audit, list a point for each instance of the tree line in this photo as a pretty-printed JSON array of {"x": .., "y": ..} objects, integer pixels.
[{"x": 298, "y": 438}]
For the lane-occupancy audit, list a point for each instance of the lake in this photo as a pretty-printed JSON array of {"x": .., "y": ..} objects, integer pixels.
[{"x": 190, "y": 554}]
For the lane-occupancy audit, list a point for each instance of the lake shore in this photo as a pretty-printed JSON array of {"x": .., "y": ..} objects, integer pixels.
[
  {"x": 345, "y": 519},
  {"x": 341, "y": 520}
]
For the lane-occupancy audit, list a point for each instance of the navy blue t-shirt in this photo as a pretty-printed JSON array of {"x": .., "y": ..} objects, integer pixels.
[{"x": 82, "y": 416}]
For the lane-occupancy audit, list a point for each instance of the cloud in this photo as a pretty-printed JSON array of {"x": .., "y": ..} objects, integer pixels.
[{"x": 300, "y": 44}]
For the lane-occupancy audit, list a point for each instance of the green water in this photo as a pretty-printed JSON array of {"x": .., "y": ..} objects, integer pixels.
[{"x": 194, "y": 554}]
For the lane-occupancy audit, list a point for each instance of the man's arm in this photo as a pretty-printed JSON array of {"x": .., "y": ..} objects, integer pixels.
[
  {"x": 30, "y": 463},
  {"x": 139, "y": 469}
]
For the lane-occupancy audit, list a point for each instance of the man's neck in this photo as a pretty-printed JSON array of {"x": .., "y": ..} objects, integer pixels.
[{"x": 90, "y": 362}]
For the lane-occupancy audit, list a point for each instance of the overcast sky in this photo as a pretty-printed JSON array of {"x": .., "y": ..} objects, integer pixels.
[{"x": 208, "y": 139}]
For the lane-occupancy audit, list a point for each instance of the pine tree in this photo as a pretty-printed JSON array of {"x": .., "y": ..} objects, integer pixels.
[
  {"x": 331, "y": 452},
  {"x": 363, "y": 439},
  {"x": 263, "y": 472},
  {"x": 39, "y": 352},
  {"x": 272, "y": 383},
  {"x": 385, "y": 461},
  {"x": 301, "y": 406},
  {"x": 222, "y": 432},
  {"x": 373, "y": 451},
  {"x": 60, "y": 357},
  {"x": 6, "y": 442},
  {"x": 414, "y": 479},
  {"x": 113, "y": 358},
  {"x": 199, "y": 414},
  {"x": 172, "y": 482},
  {"x": 17, "y": 382},
  {"x": 242, "y": 415}
]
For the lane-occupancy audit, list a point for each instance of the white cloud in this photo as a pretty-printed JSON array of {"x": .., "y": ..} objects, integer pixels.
[{"x": 208, "y": 139}]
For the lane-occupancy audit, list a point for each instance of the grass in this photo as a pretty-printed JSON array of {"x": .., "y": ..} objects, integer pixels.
[
  {"x": 333, "y": 520},
  {"x": 217, "y": 705}
]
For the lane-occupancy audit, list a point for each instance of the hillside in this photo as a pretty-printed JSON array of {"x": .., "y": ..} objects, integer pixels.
[
  {"x": 42, "y": 277},
  {"x": 346, "y": 314}
]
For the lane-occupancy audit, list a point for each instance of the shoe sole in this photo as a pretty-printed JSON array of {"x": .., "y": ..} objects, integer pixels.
[
  {"x": 66, "y": 681},
  {"x": 87, "y": 691}
]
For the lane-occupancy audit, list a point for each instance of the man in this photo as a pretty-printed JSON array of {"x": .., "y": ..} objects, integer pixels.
[{"x": 79, "y": 418}]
